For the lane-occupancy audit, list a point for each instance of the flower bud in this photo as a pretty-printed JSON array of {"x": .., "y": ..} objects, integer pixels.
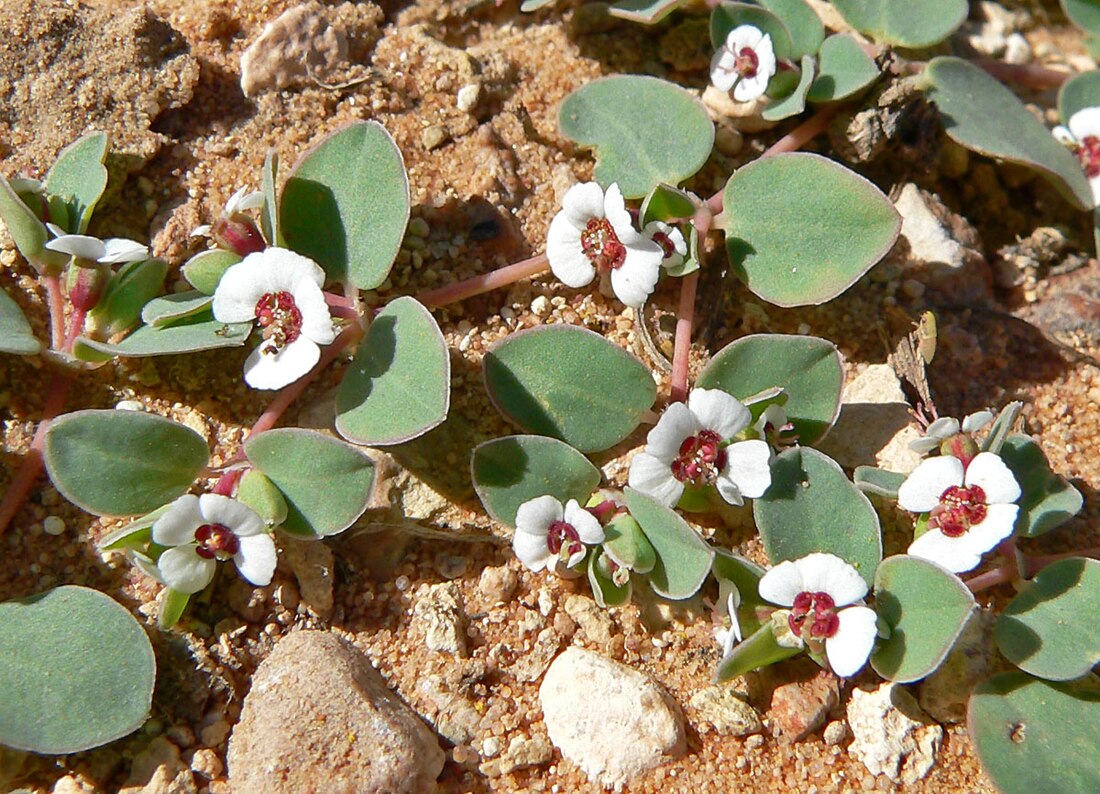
[
  {"x": 85, "y": 283},
  {"x": 960, "y": 446},
  {"x": 239, "y": 234}
]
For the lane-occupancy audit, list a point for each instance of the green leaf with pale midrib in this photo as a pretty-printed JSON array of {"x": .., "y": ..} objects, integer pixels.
[
  {"x": 78, "y": 177},
  {"x": 683, "y": 558}
]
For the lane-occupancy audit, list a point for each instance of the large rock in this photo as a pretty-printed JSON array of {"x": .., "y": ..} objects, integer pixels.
[
  {"x": 891, "y": 735},
  {"x": 636, "y": 727},
  {"x": 319, "y": 715}
]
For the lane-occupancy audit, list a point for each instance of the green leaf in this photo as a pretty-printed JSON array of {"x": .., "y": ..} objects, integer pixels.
[
  {"x": 1079, "y": 92},
  {"x": 1032, "y": 736},
  {"x": 645, "y": 131},
  {"x": 542, "y": 379},
  {"x": 795, "y": 102},
  {"x": 509, "y": 471},
  {"x": 28, "y": 232},
  {"x": 133, "y": 286},
  {"x": 727, "y": 16},
  {"x": 1085, "y": 14},
  {"x": 878, "y": 481},
  {"x": 263, "y": 496},
  {"x": 134, "y": 535},
  {"x": 665, "y": 203},
  {"x": 904, "y": 23},
  {"x": 171, "y": 609},
  {"x": 166, "y": 309},
  {"x": 926, "y": 608},
  {"x": 844, "y": 69},
  {"x": 326, "y": 483},
  {"x": 1001, "y": 427},
  {"x": 78, "y": 177},
  {"x": 604, "y": 590},
  {"x": 627, "y": 545},
  {"x": 1049, "y": 629},
  {"x": 1047, "y": 500},
  {"x": 16, "y": 335},
  {"x": 77, "y": 671},
  {"x": 758, "y": 650},
  {"x": 191, "y": 334},
  {"x": 398, "y": 386},
  {"x": 811, "y": 506},
  {"x": 802, "y": 23},
  {"x": 796, "y": 246},
  {"x": 683, "y": 557},
  {"x": 122, "y": 463},
  {"x": 645, "y": 12},
  {"x": 204, "y": 270},
  {"x": 269, "y": 211},
  {"x": 745, "y": 576},
  {"x": 346, "y": 204},
  {"x": 984, "y": 116},
  {"x": 807, "y": 368}
]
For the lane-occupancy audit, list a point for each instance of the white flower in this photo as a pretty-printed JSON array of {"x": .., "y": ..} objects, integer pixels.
[
  {"x": 686, "y": 447},
  {"x": 971, "y": 510},
  {"x": 108, "y": 252},
  {"x": 816, "y": 587},
  {"x": 744, "y": 64},
  {"x": 242, "y": 200},
  {"x": 204, "y": 529},
  {"x": 1083, "y": 137},
  {"x": 282, "y": 290},
  {"x": 947, "y": 427},
  {"x": 549, "y": 536},
  {"x": 593, "y": 232},
  {"x": 729, "y": 599},
  {"x": 673, "y": 245}
]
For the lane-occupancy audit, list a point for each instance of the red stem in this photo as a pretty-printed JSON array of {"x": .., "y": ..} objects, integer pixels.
[
  {"x": 502, "y": 277},
  {"x": 57, "y": 310},
  {"x": 20, "y": 488},
  {"x": 803, "y": 133},
  {"x": 227, "y": 482},
  {"x": 983, "y": 581},
  {"x": 681, "y": 350},
  {"x": 338, "y": 300},
  {"x": 76, "y": 325}
]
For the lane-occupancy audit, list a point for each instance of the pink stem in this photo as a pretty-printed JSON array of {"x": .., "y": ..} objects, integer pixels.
[
  {"x": 1025, "y": 74},
  {"x": 291, "y": 393},
  {"x": 346, "y": 312},
  {"x": 681, "y": 350},
  {"x": 502, "y": 277},
  {"x": 227, "y": 482},
  {"x": 76, "y": 325},
  {"x": 983, "y": 581},
  {"x": 57, "y": 310},
  {"x": 338, "y": 300},
  {"x": 20, "y": 488},
  {"x": 803, "y": 133}
]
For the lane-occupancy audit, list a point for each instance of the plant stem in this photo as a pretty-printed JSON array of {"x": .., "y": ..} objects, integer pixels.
[
  {"x": 57, "y": 310},
  {"x": 20, "y": 488},
  {"x": 227, "y": 482},
  {"x": 681, "y": 350},
  {"x": 1025, "y": 74},
  {"x": 502, "y": 277},
  {"x": 803, "y": 133},
  {"x": 76, "y": 325},
  {"x": 338, "y": 300},
  {"x": 983, "y": 581}
]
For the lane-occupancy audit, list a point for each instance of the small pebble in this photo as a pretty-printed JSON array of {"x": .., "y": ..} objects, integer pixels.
[
  {"x": 53, "y": 525},
  {"x": 468, "y": 96},
  {"x": 490, "y": 747},
  {"x": 433, "y": 137},
  {"x": 129, "y": 405},
  {"x": 540, "y": 306},
  {"x": 835, "y": 733},
  {"x": 418, "y": 227}
]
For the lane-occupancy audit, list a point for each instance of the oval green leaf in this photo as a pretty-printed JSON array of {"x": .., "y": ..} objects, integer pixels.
[
  {"x": 727, "y": 16},
  {"x": 133, "y": 286},
  {"x": 604, "y": 589},
  {"x": 16, "y": 335},
  {"x": 542, "y": 379},
  {"x": 844, "y": 69},
  {"x": 984, "y": 116},
  {"x": 645, "y": 131},
  {"x": 166, "y": 309},
  {"x": 626, "y": 544},
  {"x": 269, "y": 210},
  {"x": 79, "y": 178},
  {"x": 1032, "y": 736},
  {"x": 683, "y": 558},
  {"x": 811, "y": 506},
  {"x": 122, "y": 463},
  {"x": 794, "y": 246},
  {"x": 1049, "y": 629},
  {"x": 878, "y": 481},
  {"x": 759, "y": 649},
  {"x": 1047, "y": 500},
  {"x": 1079, "y": 92},
  {"x": 204, "y": 270},
  {"x": 77, "y": 671},
  {"x": 645, "y": 12},
  {"x": 807, "y": 368},
  {"x": 795, "y": 102},
  {"x": 326, "y": 483},
  {"x": 926, "y": 608},
  {"x": 398, "y": 386},
  {"x": 26, "y": 230},
  {"x": 1085, "y": 14},
  {"x": 346, "y": 204},
  {"x": 902, "y": 22},
  {"x": 509, "y": 471},
  {"x": 199, "y": 332},
  {"x": 262, "y": 495},
  {"x": 802, "y": 22}
]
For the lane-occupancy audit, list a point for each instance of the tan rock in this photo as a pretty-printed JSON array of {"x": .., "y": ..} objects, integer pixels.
[{"x": 296, "y": 45}]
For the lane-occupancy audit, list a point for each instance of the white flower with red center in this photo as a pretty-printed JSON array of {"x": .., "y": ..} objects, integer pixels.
[
  {"x": 1083, "y": 137},
  {"x": 281, "y": 290},
  {"x": 203, "y": 530},
  {"x": 549, "y": 535},
  {"x": 689, "y": 447},
  {"x": 970, "y": 508},
  {"x": 593, "y": 234},
  {"x": 824, "y": 595},
  {"x": 745, "y": 64},
  {"x": 673, "y": 245},
  {"x": 111, "y": 251}
]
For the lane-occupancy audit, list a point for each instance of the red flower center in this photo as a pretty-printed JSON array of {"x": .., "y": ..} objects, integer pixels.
[
  {"x": 1089, "y": 155},
  {"x": 700, "y": 459},
  {"x": 216, "y": 540},
  {"x": 668, "y": 248},
  {"x": 813, "y": 616},
  {"x": 281, "y": 320},
  {"x": 563, "y": 540},
  {"x": 747, "y": 62},
  {"x": 601, "y": 245},
  {"x": 959, "y": 509}
]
